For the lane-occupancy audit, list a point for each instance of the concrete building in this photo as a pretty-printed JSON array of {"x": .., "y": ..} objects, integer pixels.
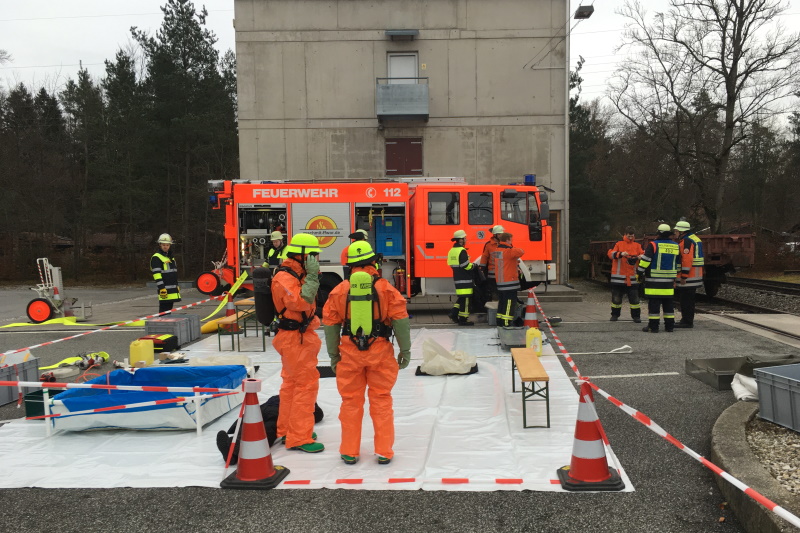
[{"x": 344, "y": 89}]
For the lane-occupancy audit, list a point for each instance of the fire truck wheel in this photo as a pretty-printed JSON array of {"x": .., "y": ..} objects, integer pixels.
[
  {"x": 40, "y": 310},
  {"x": 208, "y": 283}
]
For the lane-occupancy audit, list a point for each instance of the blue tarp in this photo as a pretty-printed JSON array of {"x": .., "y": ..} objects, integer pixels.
[{"x": 222, "y": 377}]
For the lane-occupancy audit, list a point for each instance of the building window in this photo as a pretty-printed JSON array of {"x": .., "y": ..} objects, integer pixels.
[
  {"x": 402, "y": 67},
  {"x": 481, "y": 212},
  {"x": 404, "y": 156},
  {"x": 443, "y": 208}
]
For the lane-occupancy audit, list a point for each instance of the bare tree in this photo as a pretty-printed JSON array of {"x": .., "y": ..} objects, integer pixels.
[
  {"x": 5, "y": 57},
  {"x": 696, "y": 75}
]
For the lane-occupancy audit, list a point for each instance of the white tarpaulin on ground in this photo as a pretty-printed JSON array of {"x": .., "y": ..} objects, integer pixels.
[{"x": 452, "y": 433}]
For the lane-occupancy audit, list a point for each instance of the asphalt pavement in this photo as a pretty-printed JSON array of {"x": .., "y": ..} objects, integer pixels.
[{"x": 674, "y": 493}]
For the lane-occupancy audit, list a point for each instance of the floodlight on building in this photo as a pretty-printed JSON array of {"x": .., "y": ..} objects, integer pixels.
[
  {"x": 583, "y": 12},
  {"x": 402, "y": 35}
]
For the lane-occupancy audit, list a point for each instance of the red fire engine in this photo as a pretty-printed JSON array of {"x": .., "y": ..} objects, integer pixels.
[{"x": 410, "y": 222}]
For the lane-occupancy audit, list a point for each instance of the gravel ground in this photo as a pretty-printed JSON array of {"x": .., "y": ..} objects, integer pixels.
[
  {"x": 777, "y": 447},
  {"x": 770, "y": 300}
]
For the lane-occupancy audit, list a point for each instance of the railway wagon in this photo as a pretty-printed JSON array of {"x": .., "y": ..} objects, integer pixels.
[{"x": 724, "y": 254}]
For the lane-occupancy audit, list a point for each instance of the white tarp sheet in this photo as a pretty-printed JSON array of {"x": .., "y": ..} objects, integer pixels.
[{"x": 452, "y": 433}]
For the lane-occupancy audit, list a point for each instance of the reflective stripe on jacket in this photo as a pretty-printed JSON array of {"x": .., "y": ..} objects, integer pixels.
[
  {"x": 458, "y": 260},
  {"x": 692, "y": 260},
  {"x": 622, "y": 272},
  {"x": 165, "y": 274},
  {"x": 506, "y": 264},
  {"x": 659, "y": 263}
]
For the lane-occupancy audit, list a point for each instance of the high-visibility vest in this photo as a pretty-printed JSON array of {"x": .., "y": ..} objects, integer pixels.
[
  {"x": 660, "y": 265},
  {"x": 165, "y": 274},
  {"x": 458, "y": 260},
  {"x": 692, "y": 260}
]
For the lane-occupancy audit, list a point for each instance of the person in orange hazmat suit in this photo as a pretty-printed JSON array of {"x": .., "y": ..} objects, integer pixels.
[
  {"x": 358, "y": 319},
  {"x": 294, "y": 291}
]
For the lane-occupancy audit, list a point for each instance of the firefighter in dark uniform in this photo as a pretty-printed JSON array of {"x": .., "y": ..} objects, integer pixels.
[
  {"x": 165, "y": 274},
  {"x": 277, "y": 253},
  {"x": 691, "y": 276},
  {"x": 659, "y": 264},
  {"x": 458, "y": 260}
]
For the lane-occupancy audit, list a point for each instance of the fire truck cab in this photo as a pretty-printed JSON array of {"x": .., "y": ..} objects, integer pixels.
[{"x": 410, "y": 222}]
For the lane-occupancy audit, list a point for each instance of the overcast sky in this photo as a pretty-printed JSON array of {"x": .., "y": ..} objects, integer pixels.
[{"x": 47, "y": 39}]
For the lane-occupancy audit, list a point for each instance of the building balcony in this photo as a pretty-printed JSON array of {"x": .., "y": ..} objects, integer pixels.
[{"x": 401, "y": 99}]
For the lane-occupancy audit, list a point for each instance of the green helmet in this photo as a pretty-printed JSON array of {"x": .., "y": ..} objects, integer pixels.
[
  {"x": 359, "y": 251},
  {"x": 682, "y": 226},
  {"x": 303, "y": 243}
]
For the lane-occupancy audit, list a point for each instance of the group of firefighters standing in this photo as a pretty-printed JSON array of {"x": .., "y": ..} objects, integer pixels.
[
  {"x": 497, "y": 269},
  {"x": 672, "y": 261}
]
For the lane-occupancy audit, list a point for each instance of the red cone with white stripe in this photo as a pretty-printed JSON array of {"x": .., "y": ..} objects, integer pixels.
[
  {"x": 531, "y": 317},
  {"x": 254, "y": 469},
  {"x": 588, "y": 469},
  {"x": 230, "y": 310}
]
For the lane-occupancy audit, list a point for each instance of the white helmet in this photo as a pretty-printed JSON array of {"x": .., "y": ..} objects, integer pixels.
[
  {"x": 664, "y": 228},
  {"x": 498, "y": 229},
  {"x": 164, "y": 238},
  {"x": 276, "y": 236},
  {"x": 682, "y": 226},
  {"x": 459, "y": 234}
]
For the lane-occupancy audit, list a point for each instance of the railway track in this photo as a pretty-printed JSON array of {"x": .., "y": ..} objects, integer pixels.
[{"x": 779, "y": 287}]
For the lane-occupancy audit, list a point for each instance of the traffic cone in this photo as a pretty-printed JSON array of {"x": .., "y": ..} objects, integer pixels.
[
  {"x": 588, "y": 469},
  {"x": 230, "y": 310},
  {"x": 531, "y": 317},
  {"x": 254, "y": 469}
]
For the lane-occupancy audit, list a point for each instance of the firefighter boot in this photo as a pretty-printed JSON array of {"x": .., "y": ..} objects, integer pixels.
[
  {"x": 453, "y": 314},
  {"x": 465, "y": 322}
]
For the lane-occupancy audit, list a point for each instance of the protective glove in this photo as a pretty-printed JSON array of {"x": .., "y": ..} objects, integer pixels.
[
  {"x": 312, "y": 266},
  {"x": 402, "y": 332},
  {"x": 162, "y": 294},
  {"x": 335, "y": 361},
  {"x": 332, "y": 338},
  {"x": 403, "y": 358}
]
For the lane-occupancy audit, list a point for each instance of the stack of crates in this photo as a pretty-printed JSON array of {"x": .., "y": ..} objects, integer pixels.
[
  {"x": 17, "y": 367},
  {"x": 185, "y": 327},
  {"x": 389, "y": 236}
]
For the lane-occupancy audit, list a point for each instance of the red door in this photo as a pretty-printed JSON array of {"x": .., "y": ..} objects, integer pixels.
[{"x": 404, "y": 156}]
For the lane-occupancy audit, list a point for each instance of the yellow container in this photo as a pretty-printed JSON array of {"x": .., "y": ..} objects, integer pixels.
[
  {"x": 141, "y": 350},
  {"x": 533, "y": 339}
]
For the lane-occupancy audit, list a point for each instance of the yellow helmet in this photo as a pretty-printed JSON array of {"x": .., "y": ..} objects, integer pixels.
[
  {"x": 164, "y": 238},
  {"x": 303, "y": 243},
  {"x": 359, "y": 251},
  {"x": 459, "y": 234},
  {"x": 664, "y": 228}
]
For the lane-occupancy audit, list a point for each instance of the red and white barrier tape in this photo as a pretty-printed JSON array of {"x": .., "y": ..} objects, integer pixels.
[
  {"x": 658, "y": 430},
  {"x": 112, "y": 327},
  {"x": 147, "y": 388},
  {"x": 132, "y": 405},
  {"x": 443, "y": 481}
]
